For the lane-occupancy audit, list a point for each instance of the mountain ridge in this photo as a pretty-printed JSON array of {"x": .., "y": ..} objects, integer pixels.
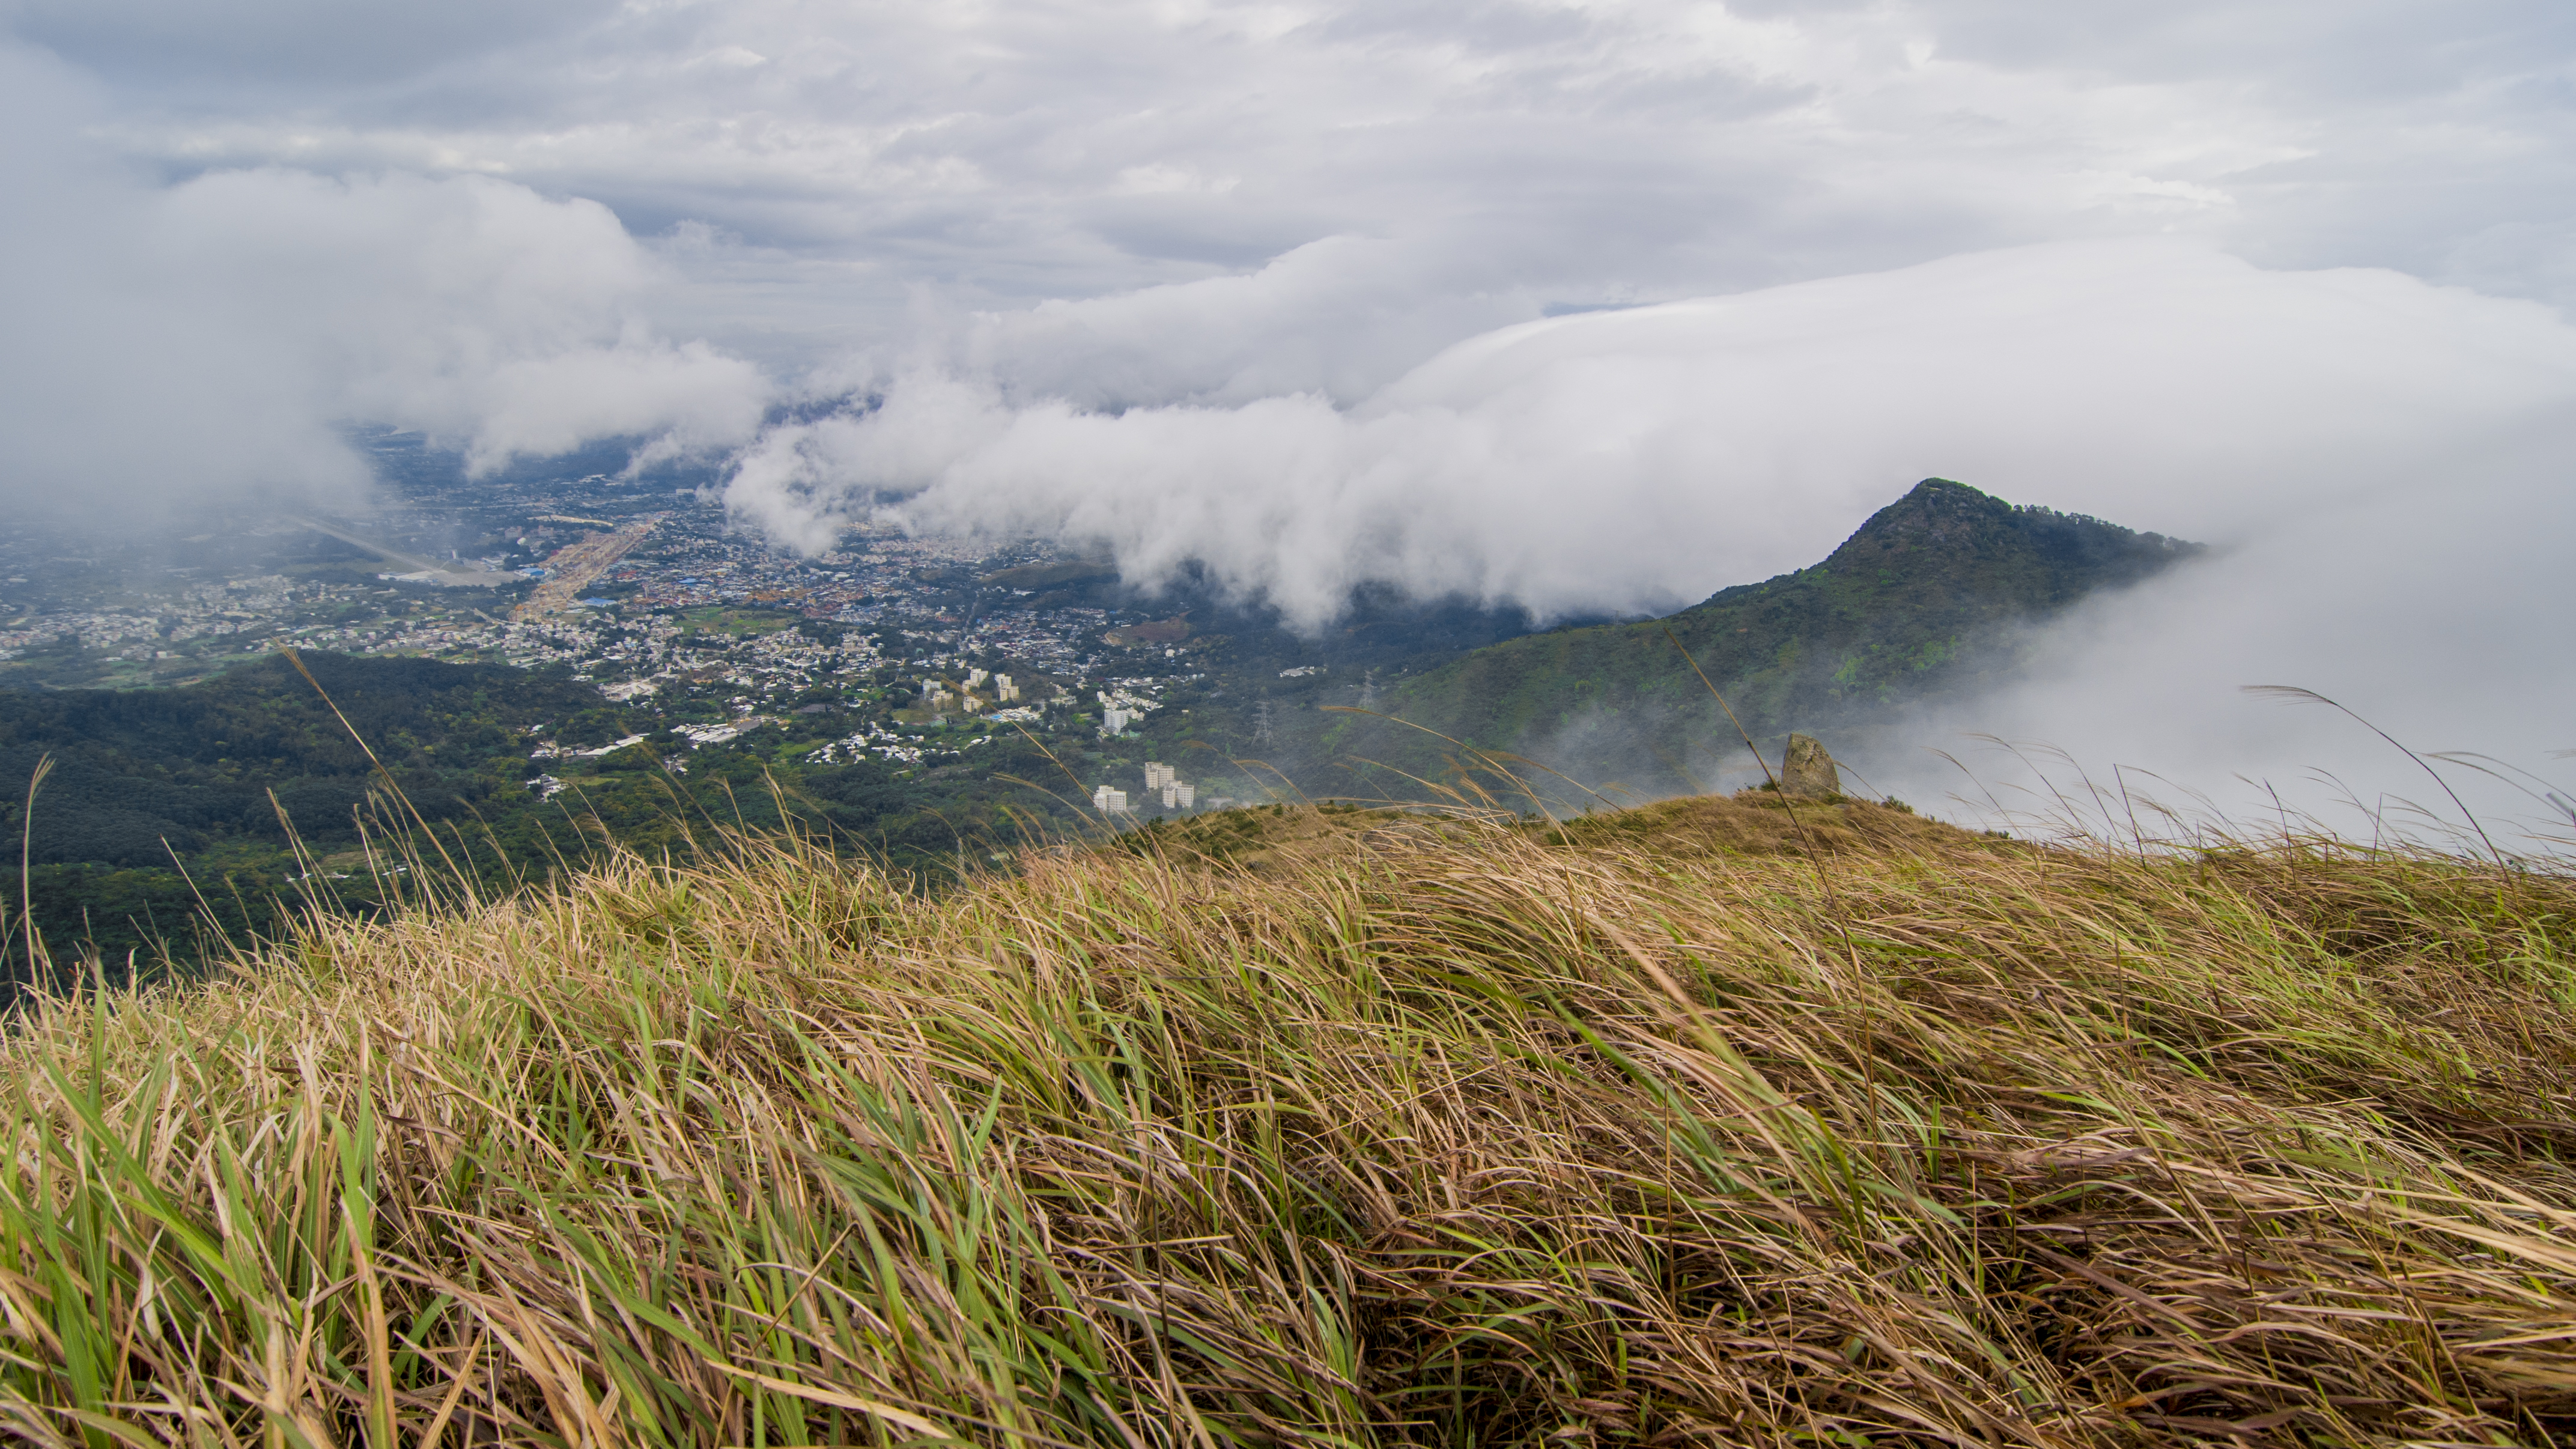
[{"x": 1923, "y": 602}]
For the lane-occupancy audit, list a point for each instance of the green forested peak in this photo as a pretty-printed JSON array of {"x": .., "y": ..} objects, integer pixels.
[
  {"x": 1927, "y": 599},
  {"x": 1945, "y": 538},
  {"x": 1938, "y": 513},
  {"x": 1935, "y": 511}
]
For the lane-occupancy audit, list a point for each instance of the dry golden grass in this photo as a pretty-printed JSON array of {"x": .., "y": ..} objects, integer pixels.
[{"x": 1466, "y": 1134}]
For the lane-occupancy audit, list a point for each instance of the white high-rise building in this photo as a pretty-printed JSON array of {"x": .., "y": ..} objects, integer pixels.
[
  {"x": 1171, "y": 793},
  {"x": 1189, "y": 794},
  {"x": 1157, "y": 774},
  {"x": 1112, "y": 720},
  {"x": 975, "y": 677},
  {"x": 1109, "y": 801},
  {"x": 1004, "y": 689}
]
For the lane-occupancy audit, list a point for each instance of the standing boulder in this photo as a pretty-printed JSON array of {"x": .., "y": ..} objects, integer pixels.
[{"x": 1808, "y": 771}]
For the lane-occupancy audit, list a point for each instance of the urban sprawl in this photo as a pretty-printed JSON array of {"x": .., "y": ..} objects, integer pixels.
[{"x": 919, "y": 639}]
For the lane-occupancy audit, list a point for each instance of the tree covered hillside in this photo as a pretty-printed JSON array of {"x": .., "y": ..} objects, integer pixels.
[
  {"x": 1917, "y": 606},
  {"x": 140, "y": 774},
  {"x": 163, "y": 811}
]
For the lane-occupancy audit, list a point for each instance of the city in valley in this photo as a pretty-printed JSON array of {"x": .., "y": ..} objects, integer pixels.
[{"x": 909, "y": 651}]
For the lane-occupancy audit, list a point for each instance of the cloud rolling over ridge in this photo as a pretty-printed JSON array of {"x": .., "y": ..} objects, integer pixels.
[
  {"x": 2372, "y": 456},
  {"x": 1640, "y": 459}
]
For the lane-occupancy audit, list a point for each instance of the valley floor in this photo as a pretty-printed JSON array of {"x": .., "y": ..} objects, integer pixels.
[{"x": 1698, "y": 1124}]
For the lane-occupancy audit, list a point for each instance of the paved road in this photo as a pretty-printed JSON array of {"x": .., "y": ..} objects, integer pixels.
[{"x": 449, "y": 573}]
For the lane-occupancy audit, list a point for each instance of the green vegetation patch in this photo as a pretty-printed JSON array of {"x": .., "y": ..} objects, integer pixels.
[
  {"x": 168, "y": 820},
  {"x": 740, "y": 622}
]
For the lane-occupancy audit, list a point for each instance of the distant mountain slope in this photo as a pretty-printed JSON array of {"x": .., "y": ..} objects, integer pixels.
[
  {"x": 1919, "y": 605},
  {"x": 141, "y": 774},
  {"x": 161, "y": 807}
]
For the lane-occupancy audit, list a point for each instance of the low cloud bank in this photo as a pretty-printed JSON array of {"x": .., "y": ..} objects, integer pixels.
[
  {"x": 2370, "y": 455},
  {"x": 1640, "y": 459},
  {"x": 2436, "y": 610},
  {"x": 195, "y": 343}
]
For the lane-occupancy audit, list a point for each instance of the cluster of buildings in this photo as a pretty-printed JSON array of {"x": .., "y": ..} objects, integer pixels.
[
  {"x": 713, "y": 630},
  {"x": 702, "y": 735},
  {"x": 550, "y": 751},
  {"x": 1123, "y": 703},
  {"x": 163, "y": 626},
  {"x": 1176, "y": 793},
  {"x": 875, "y": 742},
  {"x": 980, "y": 691},
  {"x": 1160, "y": 780},
  {"x": 93, "y": 631}
]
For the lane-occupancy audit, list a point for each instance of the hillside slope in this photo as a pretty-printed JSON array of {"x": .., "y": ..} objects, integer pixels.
[
  {"x": 139, "y": 774},
  {"x": 1920, "y": 605},
  {"x": 1646, "y": 1129},
  {"x": 165, "y": 809}
]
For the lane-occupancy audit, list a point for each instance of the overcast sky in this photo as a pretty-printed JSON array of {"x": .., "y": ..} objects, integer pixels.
[
  {"x": 1270, "y": 284},
  {"x": 810, "y": 172}
]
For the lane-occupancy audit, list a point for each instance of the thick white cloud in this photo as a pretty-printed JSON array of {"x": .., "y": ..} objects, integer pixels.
[
  {"x": 111, "y": 384},
  {"x": 1342, "y": 316},
  {"x": 1635, "y": 459},
  {"x": 1126, "y": 204},
  {"x": 471, "y": 309},
  {"x": 206, "y": 340}
]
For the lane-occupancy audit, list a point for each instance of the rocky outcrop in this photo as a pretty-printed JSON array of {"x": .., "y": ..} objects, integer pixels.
[{"x": 1808, "y": 771}]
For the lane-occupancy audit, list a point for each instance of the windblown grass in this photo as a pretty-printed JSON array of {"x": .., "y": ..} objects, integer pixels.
[{"x": 1458, "y": 1135}]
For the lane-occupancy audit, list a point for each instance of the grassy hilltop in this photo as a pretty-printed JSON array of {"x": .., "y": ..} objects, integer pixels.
[{"x": 1696, "y": 1124}]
